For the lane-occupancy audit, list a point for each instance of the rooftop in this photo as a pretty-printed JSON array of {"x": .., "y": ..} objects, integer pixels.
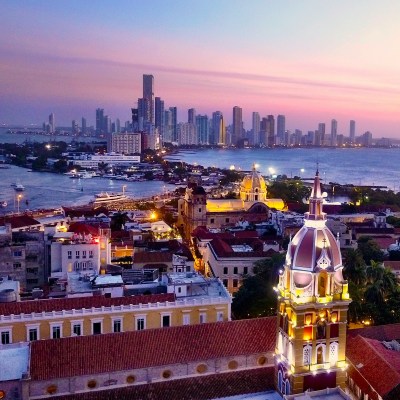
[{"x": 13, "y": 361}]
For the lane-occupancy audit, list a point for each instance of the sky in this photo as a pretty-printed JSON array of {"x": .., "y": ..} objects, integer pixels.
[{"x": 310, "y": 60}]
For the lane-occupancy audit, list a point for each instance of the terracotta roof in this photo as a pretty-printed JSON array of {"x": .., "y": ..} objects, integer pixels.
[
  {"x": 380, "y": 332},
  {"x": 152, "y": 257},
  {"x": 377, "y": 365},
  {"x": 246, "y": 234},
  {"x": 393, "y": 265},
  {"x": 384, "y": 242},
  {"x": 195, "y": 388},
  {"x": 76, "y": 303},
  {"x": 223, "y": 247},
  {"x": 374, "y": 231},
  {"x": 83, "y": 228},
  {"x": 202, "y": 233},
  {"x": 19, "y": 221},
  {"x": 141, "y": 349}
]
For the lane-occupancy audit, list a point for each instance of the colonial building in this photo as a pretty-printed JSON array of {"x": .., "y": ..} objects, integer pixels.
[
  {"x": 195, "y": 209},
  {"x": 312, "y": 308}
]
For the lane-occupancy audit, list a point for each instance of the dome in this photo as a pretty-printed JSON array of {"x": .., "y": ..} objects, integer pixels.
[
  {"x": 314, "y": 247},
  {"x": 253, "y": 187}
]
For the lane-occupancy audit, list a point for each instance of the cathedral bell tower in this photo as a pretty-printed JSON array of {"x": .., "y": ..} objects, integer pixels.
[{"x": 312, "y": 307}]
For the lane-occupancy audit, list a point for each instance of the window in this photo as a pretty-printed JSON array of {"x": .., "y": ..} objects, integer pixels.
[
  {"x": 203, "y": 318},
  {"x": 307, "y": 355},
  {"x": 225, "y": 282},
  {"x": 226, "y": 220},
  {"x": 320, "y": 353},
  {"x": 212, "y": 220},
  {"x": 90, "y": 253},
  {"x": 18, "y": 253},
  {"x": 17, "y": 266},
  {"x": 333, "y": 353},
  {"x": 235, "y": 283},
  {"x": 235, "y": 270},
  {"x": 33, "y": 334},
  {"x": 140, "y": 323},
  {"x": 199, "y": 209},
  {"x": 77, "y": 254},
  {"x": 5, "y": 336},
  {"x": 245, "y": 270},
  {"x": 220, "y": 316},
  {"x": 56, "y": 332},
  {"x": 186, "y": 319},
  {"x": 165, "y": 321},
  {"x": 117, "y": 325},
  {"x": 97, "y": 327},
  {"x": 77, "y": 329},
  {"x": 69, "y": 254},
  {"x": 84, "y": 254},
  {"x": 225, "y": 270}
]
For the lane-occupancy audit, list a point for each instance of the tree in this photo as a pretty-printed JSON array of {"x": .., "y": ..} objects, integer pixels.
[
  {"x": 256, "y": 296},
  {"x": 354, "y": 267},
  {"x": 369, "y": 249}
]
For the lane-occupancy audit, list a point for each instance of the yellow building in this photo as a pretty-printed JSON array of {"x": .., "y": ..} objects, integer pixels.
[
  {"x": 253, "y": 205},
  {"x": 190, "y": 300},
  {"x": 312, "y": 308}
]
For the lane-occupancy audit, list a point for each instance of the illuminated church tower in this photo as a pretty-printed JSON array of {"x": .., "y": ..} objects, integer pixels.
[{"x": 312, "y": 307}]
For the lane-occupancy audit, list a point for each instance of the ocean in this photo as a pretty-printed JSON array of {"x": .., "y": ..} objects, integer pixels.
[{"x": 358, "y": 166}]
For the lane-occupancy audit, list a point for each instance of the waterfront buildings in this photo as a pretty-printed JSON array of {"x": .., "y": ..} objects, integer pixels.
[
  {"x": 52, "y": 123},
  {"x": 352, "y": 132},
  {"x": 218, "y": 133},
  {"x": 280, "y": 130},
  {"x": 255, "y": 128},
  {"x": 237, "y": 125},
  {"x": 126, "y": 143},
  {"x": 333, "y": 133}
]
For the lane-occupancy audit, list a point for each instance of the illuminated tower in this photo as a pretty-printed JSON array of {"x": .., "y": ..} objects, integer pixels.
[{"x": 312, "y": 307}]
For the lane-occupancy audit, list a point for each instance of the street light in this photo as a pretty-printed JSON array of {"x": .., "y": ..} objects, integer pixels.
[
  {"x": 19, "y": 197},
  {"x": 302, "y": 170}
]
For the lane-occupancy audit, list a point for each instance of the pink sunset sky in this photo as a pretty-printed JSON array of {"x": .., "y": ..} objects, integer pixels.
[{"x": 309, "y": 60}]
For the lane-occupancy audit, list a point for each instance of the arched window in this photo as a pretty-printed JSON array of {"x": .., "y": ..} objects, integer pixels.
[
  {"x": 287, "y": 391},
  {"x": 280, "y": 381},
  {"x": 333, "y": 353},
  {"x": 307, "y": 355},
  {"x": 76, "y": 266},
  {"x": 321, "y": 353},
  {"x": 321, "y": 285}
]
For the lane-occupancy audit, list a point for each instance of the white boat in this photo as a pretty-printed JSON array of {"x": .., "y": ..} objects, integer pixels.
[
  {"x": 4, "y": 204},
  {"x": 105, "y": 197},
  {"x": 19, "y": 187}
]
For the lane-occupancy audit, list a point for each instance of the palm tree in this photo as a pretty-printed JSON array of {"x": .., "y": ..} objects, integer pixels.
[{"x": 354, "y": 267}]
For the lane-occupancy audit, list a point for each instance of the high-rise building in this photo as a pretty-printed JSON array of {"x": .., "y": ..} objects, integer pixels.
[
  {"x": 135, "y": 119},
  {"x": 237, "y": 125},
  {"x": 202, "y": 129},
  {"x": 321, "y": 134},
  {"x": 99, "y": 120},
  {"x": 218, "y": 133},
  {"x": 192, "y": 115},
  {"x": 117, "y": 125},
  {"x": 52, "y": 123},
  {"x": 84, "y": 126},
  {"x": 148, "y": 97},
  {"x": 280, "y": 130},
  {"x": 255, "y": 128},
  {"x": 159, "y": 113},
  {"x": 270, "y": 131},
  {"x": 367, "y": 139},
  {"x": 166, "y": 132},
  {"x": 126, "y": 143},
  {"x": 313, "y": 300},
  {"x": 187, "y": 133},
  {"x": 174, "y": 123},
  {"x": 352, "y": 132},
  {"x": 75, "y": 127},
  {"x": 334, "y": 133}
]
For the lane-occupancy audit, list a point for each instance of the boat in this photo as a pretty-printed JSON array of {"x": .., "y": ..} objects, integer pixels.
[
  {"x": 105, "y": 197},
  {"x": 19, "y": 187},
  {"x": 4, "y": 204}
]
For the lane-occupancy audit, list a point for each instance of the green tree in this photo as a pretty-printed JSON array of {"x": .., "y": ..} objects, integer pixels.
[
  {"x": 354, "y": 267},
  {"x": 369, "y": 249}
]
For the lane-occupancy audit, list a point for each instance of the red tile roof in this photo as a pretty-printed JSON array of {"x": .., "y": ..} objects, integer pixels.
[
  {"x": 38, "y": 306},
  {"x": 141, "y": 349},
  {"x": 246, "y": 234},
  {"x": 19, "y": 221},
  {"x": 380, "y": 332},
  {"x": 223, "y": 247},
  {"x": 83, "y": 228},
  {"x": 195, "y": 388},
  {"x": 152, "y": 257},
  {"x": 373, "y": 362},
  {"x": 202, "y": 233},
  {"x": 393, "y": 265}
]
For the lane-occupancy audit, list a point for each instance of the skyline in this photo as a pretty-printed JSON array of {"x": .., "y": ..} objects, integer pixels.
[{"x": 312, "y": 62}]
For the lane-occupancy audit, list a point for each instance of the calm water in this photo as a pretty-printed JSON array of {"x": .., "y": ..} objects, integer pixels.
[
  {"x": 44, "y": 189},
  {"x": 17, "y": 138},
  {"x": 357, "y": 166}
]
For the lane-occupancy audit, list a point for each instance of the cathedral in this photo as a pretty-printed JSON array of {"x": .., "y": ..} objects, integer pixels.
[
  {"x": 253, "y": 205},
  {"x": 313, "y": 301}
]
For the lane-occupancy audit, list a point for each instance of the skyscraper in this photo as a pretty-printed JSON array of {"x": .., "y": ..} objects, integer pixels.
[
  {"x": 256, "y": 128},
  {"x": 218, "y": 134},
  {"x": 191, "y": 115},
  {"x": 321, "y": 132},
  {"x": 237, "y": 125},
  {"x": 135, "y": 119},
  {"x": 84, "y": 127},
  {"x": 270, "y": 131},
  {"x": 159, "y": 113},
  {"x": 52, "y": 123},
  {"x": 174, "y": 123},
  {"x": 99, "y": 120},
  {"x": 280, "y": 130},
  {"x": 202, "y": 128},
  {"x": 148, "y": 97},
  {"x": 352, "y": 132},
  {"x": 334, "y": 133}
]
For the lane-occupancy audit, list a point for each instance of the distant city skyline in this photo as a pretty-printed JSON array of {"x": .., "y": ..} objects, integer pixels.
[{"x": 70, "y": 58}]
